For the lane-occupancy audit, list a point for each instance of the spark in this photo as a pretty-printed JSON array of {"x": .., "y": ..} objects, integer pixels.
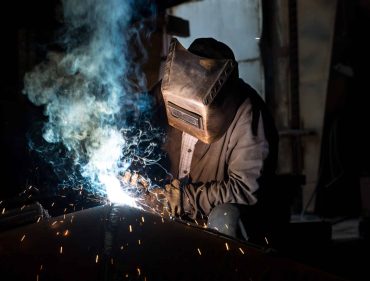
[
  {"x": 241, "y": 250},
  {"x": 38, "y": 220},
  {"x": 65, "y": 210},
  {"x": 196, "y": 222},
  {"x": 66, "y": 233},
  {"x": 37, "y": 277},
  {"x": 54, "y": 222},
  {"x": 72, "y": 218},
  {"x": 97, "y": 259},
  {"x": 23, "y": 207},
  {"x": 139, "y": 242},
  {"x": 200, "y": 253},
  {"x": 122, "y": 247},
  {"x": 227, "y": 246},
  {"x": 1, "y": 202},
  {"x": 114, "y": 191},
  {"x": 142, "y": 219},
  {"x": 226, "y": 226},
  {"x": 3, "y": 212},
  {"x": 267, "y": 242},
  {"x": 41, "y": 267},
  {"x": 61, "y": 250},
  {"x": 52, "y": 204},
  {"x": 24, "y": 236},
  {"x": 130, "y": 228},
  {"x": 138, "y": 271},
  {"x": 162, "y": 220},
  {"x": 64, "y": 216}
]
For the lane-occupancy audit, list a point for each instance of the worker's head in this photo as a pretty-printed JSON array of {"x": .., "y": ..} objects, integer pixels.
[
  {"x": 197, "y": 88},
  {"x": 212, "y": 49}
]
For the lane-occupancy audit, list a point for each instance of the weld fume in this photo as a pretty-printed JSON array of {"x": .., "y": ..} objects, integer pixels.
[{"x": 87, "y": 93}]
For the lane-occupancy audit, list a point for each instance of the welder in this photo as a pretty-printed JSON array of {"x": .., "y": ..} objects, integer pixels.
[{"x": 221, "y": 142}]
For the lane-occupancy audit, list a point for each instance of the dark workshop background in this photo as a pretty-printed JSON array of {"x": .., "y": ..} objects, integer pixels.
[{"x": 329, "y": 215}]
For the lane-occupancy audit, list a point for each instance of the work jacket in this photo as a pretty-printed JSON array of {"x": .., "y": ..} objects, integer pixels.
[{"x": 238, "y": 167}]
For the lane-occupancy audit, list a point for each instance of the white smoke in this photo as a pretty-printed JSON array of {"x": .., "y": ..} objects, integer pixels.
[{"x": 84, "y": 89}]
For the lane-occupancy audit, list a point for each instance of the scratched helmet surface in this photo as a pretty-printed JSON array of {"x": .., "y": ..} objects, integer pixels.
[{"x": 193, "y": 89}]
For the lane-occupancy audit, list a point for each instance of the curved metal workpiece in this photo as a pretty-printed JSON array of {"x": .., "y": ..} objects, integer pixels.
[{"x": 122, "y": 243}]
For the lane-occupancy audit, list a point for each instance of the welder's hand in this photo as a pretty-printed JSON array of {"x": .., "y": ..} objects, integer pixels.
[
  {"x": 174, "y": 197},
  {"x": 135, "y": 181}
]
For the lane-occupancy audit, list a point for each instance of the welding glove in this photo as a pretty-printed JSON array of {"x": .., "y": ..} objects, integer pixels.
[
  {"x": 135, "y": 182},
  {"x": 173, "y": 195},
  {"x": 174, "y": 200}
]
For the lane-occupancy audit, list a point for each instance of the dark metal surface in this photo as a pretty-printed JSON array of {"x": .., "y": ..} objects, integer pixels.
[
  {"x": 22, "y": 216},
  {"x": 122, "y": 243}
]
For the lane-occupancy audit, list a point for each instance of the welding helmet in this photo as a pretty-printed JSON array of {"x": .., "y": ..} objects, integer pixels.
[{"x": 194, "y": 89}]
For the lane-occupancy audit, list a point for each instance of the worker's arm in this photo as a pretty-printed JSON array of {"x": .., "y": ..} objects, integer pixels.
[{"x": 246, "y": 156}]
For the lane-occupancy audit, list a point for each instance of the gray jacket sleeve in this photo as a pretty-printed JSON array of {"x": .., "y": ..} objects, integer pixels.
[{"x": 245, "y": 155}]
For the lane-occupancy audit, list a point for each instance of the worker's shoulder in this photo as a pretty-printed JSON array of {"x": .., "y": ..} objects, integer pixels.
[
  {"x": 249, "y": 98},
  {"x": 255, "y": 107},
  {"x": 250, "y": 95}
]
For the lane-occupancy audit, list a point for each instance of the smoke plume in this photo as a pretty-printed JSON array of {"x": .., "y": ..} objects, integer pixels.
[{"x": 87, "y": 90}]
